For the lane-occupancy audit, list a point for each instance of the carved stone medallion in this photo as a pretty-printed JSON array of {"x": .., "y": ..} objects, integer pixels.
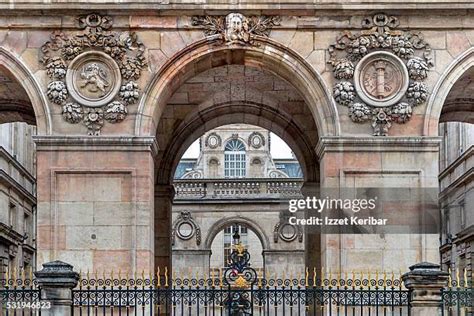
[
  {"x": 256, "y": 140},
  {"x": 287, "y": 232},
  {"x": 213, "y": 141},
  {"x": 94, "y": 73},
  {"x": 185, "y": 227},
  {"x": 379, "y": 72},
  {"x": 381, "y": 79},
  {"x": 93, "y": 79}
]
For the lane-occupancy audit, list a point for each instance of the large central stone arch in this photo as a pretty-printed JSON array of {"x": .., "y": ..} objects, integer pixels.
[{"x": 265, "y": 53}]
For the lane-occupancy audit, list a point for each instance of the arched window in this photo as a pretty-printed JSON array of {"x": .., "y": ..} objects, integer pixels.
[{"x": 234, "y": 159}]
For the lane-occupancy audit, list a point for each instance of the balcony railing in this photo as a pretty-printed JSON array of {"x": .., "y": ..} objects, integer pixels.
[{"x": 237, "y": 188}]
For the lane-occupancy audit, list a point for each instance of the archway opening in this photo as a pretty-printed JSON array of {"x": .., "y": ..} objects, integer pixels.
[
  {"x": 456, "y": 198},
  {"x": 232, "y": 94},
  {"x": 17, "y": 176}
]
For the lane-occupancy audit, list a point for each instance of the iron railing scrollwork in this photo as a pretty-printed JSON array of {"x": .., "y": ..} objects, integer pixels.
[
  {"x": 458, "y": 296},
  {"x": 20, "y": 296}
]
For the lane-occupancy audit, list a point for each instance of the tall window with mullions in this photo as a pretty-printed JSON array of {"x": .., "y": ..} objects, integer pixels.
[{"x": 234, "y": 159}]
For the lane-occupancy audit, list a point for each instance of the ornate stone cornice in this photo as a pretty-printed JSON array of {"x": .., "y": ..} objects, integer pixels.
[
  {"x": 371, "y": 144},
  {"x": 95, "y": 143}
]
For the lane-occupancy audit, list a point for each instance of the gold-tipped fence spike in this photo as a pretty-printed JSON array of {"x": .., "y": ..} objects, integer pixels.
[
  {"x": 385, "y": 279},
  {"x": 7, "y": 276},
  {"x": 15, "y": 273},
  {"x": 23, "y": 275},
  {"x": 88, "y": 276},
  {"x": 31, "y": 273},
  {"x": 314, "y": 276},
  {"x": 143, "y": 275},
  {"x": 166, "y": 277},
  {"x": 465, "y": 278},
  {"x": 306, "y": 278},
  {"x": 120, "y": 275},
  {"x": 458, "y": 279},
  {"x": 450, "y": 281}
]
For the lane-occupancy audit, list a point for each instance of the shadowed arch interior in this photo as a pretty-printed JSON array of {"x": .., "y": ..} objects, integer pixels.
[{"x": 253, "y": 114}]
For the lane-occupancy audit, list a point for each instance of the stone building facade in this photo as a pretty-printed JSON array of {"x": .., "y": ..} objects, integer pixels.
[
  {"x": 118, "y": 91},
  {"x": 457, "y": 196},
  {"x": 17, "y": 198},
  {"x": 234, "y": 185}
]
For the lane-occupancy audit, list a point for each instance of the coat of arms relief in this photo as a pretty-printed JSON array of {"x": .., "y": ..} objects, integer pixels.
[
  {"x": 380, "y": 72},
  {"x": 93, "y": 74}
]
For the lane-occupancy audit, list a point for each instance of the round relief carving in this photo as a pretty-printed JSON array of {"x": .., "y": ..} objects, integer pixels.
[
  {"x": 288, "y": 232},
  {"x": 256, "y": 140},
  {"x": 185, "y": 230},
  {"x": 381, "y": 79},
  {"x": 93, "y": 79},
  {"x": 213, "y": 140}
]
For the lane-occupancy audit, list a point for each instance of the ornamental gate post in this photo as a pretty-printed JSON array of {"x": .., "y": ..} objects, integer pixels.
[
  {"x": 56, "y": 280},
  {"x": 425, "y": 282}
]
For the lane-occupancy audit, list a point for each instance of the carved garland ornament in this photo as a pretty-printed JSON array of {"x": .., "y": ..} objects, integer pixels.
[
  {"x": 380, "y": 72},
  {"x": 93, "y": 73},
  {"x": 235, "y": 27},
  {"x": 185, "y": 227}
]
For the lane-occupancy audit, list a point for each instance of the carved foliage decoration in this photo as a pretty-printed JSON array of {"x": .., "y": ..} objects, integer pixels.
[
  {"x": 185, "y": 228},
  {"x": 380, "y": 72},
  {"x": 93, "y": 73},
  {"x": 235, "y": 27}
]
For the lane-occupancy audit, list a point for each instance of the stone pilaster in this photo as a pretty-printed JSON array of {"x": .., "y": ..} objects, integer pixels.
[
  {"x": 425, "y": 280},
  {"x": 163, "y": 203},
  {"x": 57, "y": 279}
]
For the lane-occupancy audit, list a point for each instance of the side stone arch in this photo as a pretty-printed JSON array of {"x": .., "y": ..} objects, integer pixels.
[
  {"x": 28, "y": 82},
  {"x": 223, "y": 222},
  {"x": 266, "y": 54},
  {"x": 443, "y": 86}
]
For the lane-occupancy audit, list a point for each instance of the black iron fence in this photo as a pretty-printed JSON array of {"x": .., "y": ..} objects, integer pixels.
[
  {"x": 309, "y": 295},
  {"x": 20, "y": 296},
  {"x": 458, "y": 297}
]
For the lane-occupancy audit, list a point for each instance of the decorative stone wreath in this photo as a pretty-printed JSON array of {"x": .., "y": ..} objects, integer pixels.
[
  {"x": 185, "y": 227},
  {"x": 93, "y": 74},
  {"x": 380, "y": 72},
  {"x": 256, "y": 140}
]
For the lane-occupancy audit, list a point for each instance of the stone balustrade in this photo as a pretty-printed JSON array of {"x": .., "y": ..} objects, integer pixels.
[{"x": 236, "y": 188}]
